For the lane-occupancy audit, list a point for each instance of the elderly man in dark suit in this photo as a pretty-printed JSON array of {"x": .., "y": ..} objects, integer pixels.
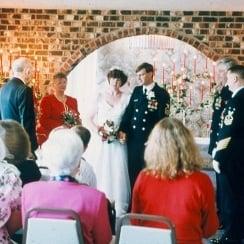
[
  {"x": 228, "y": 157},
  {"x": 16, "y": 98},
  {"x": 149, "y": 103}
]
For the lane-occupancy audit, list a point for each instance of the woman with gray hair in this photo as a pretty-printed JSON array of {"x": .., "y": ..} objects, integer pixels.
[
  {"x": 62, "y": 156},
  {"x": 86, "y": 173}
]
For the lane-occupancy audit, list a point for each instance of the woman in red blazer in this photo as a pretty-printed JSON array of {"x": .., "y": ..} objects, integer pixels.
[
  {"x": 172, "y": 178},
  {"x": 57, "y": 109}
]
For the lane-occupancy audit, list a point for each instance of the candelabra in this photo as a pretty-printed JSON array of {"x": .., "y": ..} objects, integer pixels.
[{"x": 191, "y": 89}]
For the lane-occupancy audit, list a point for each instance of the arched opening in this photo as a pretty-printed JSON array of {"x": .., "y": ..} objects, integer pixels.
[
  {"x": 187, "y": 73},
  {"x": 104, "y": 39}
]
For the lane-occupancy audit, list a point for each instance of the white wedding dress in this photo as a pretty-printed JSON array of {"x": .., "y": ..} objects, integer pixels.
[{"x": 109, "y": 160}]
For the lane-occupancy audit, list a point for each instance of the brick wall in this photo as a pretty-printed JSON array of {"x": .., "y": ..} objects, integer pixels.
[{"x": 59, "y": 39}]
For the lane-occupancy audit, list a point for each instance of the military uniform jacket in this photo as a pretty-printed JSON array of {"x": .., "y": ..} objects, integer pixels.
[
  {"x": 220, "y": 100},
  {"x": 16, "y": 102},
  {"x": 144, "y": 111},
  {"x": 230, "y": 142}
]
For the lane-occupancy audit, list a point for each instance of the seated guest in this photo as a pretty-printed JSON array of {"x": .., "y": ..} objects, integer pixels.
[
  {"x": 86, "y": 173},
  {"x": 19, "y": 149},
  {"x": 56, "y": 109},
  {"x": 62, "y": 153},
  {"x": 172, "y": 176},
  {"x": 10, "y": 197}
]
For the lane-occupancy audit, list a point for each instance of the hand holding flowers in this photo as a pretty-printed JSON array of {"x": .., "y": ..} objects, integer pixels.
[
  {"x": 108, "y": 131},
  {"x": 70, "y": 118}
]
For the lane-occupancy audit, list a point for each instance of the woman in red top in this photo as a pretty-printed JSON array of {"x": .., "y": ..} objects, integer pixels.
[
  {"x": 56, "y": 109},
  {"x": 172, "y": 185}
]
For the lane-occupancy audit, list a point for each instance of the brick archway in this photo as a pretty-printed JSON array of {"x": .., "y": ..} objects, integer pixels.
[{"x": 98, "y": 42}]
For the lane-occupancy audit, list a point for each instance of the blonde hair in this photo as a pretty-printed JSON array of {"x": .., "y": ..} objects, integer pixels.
[
  {"x": 16, "y": 141},
  {"x": 171, "y": 150}
]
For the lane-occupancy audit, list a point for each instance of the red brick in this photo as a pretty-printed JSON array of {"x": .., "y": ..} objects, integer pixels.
[{"x": 40, "y": 29}]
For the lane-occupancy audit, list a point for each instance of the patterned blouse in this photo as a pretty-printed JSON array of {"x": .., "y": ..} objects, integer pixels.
[{"x": 10, "y": 196}]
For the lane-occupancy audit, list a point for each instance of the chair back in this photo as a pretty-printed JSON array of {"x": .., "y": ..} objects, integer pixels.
[
  {"x": 134, "y": 234},
  {"x": 42, "y": 230}
]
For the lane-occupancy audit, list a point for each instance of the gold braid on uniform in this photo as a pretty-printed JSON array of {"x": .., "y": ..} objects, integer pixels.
[{"x": 222, "y": 144}]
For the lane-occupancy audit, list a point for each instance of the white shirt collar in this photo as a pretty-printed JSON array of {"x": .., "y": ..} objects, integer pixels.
[
  {"x": 18, "y": 77},
  {"x": 149, "y": 87},
  {"x": 236, "y": 91}
]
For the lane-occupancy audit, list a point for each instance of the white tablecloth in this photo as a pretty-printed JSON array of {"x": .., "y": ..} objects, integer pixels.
[{"x": 203, "y": 143}]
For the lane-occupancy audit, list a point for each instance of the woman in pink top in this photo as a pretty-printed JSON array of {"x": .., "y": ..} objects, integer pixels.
[
  {"x": 62, "y": 153},
  {"x": 172, "y": 185}
]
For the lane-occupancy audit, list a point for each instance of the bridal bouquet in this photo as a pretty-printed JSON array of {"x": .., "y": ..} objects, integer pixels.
[
  {"x": 108, "y": 131},
  {"x": 70, "y": 118}
]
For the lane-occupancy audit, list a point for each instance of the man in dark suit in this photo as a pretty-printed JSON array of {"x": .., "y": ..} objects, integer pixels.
[
  {"x": 228, "y": 157},
  {"x": 149, "y": 103},
  {"x": 16, "y": 98}
]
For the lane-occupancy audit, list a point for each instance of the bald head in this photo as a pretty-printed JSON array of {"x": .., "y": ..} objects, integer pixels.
[
  {"x": 235, "y": 77},
  {"x": 22, "y": 68},
  {"x": 223, "y": 65},
  {"x": 227, "y": 62}
]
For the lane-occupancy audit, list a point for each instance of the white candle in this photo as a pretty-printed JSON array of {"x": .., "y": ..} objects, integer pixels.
[
  {"x": 202, "y": 84},
  {"x": 195, "y": 64},
  {"x": 214, "y": 71},
  {"x": 163, "y": 72},
  {"x": 190, "y": 95}
]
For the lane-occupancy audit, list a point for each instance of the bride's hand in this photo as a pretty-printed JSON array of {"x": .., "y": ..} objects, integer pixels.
[
  {"x": 121, "y": 137},
  {"x": 101, "y": 131}
]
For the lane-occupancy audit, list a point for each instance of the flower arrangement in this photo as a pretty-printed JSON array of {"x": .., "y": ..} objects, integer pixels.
[
  {"x": 108, "y": 131},
  {"x": 179, "y": 104},
  {"x": 70, "y": 118},
  {"x": 152, "y": 102},
  {"x": 194, "y": 111}
]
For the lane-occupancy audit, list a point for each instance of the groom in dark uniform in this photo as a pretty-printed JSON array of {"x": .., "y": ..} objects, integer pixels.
[{"x": 149, "y": 103}]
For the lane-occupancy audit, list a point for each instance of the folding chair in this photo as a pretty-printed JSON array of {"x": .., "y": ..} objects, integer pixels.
[
  {"x": 134, "y": 234},
  {"x": 56, "y": 230}
]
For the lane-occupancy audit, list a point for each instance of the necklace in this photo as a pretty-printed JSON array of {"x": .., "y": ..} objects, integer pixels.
[
  {"x": 61, "y": 99},
  {"x": 113, "y": 99},
  {"x": 66, "y": 178}
]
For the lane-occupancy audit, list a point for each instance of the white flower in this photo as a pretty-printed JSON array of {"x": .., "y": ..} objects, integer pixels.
[
  {"x": 150, "y": 95},
  {"x": 109, "y": 131},
  {"x": 109, "y": 128}
]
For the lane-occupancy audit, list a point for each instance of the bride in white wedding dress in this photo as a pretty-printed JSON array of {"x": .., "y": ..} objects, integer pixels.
[{"x": 107, "y": 155}]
